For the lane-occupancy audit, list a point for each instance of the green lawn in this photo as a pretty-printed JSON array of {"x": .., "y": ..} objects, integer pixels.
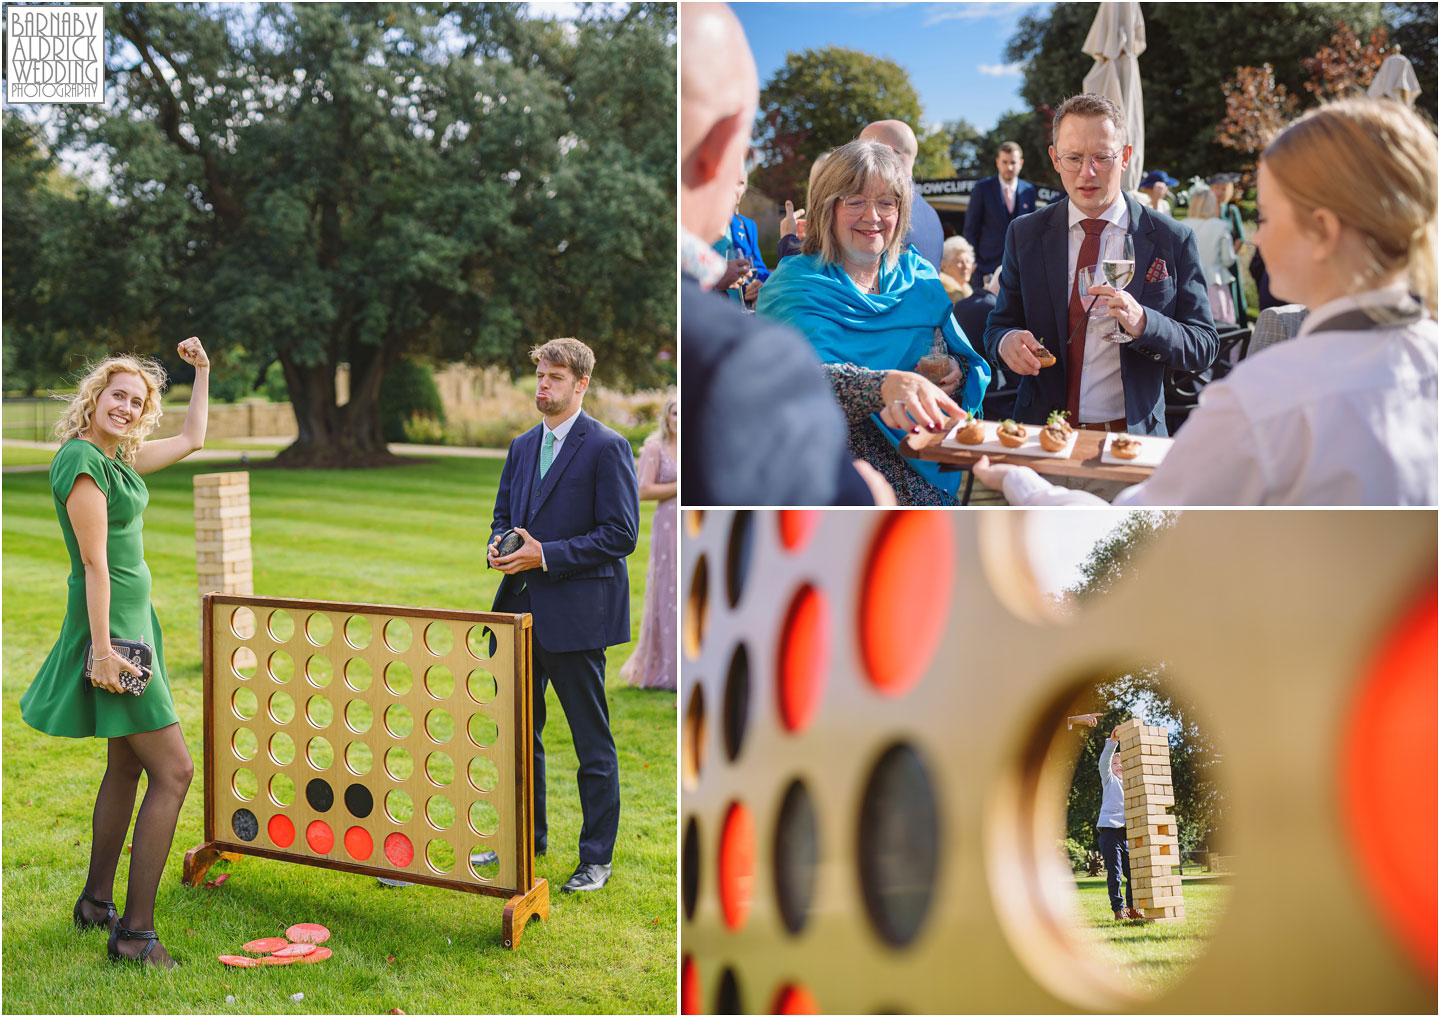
[
  {"x": 1149, "y": 955},
  {"x": 410, "y": 535}
]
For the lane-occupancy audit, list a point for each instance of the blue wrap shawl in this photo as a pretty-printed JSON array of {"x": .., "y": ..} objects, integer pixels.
[{"x": 889, "y": 330}]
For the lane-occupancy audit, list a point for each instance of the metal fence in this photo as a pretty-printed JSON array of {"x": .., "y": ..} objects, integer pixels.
[{"x": 31, "y": 419}]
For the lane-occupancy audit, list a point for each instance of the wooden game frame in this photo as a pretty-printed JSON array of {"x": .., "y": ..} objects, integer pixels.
[{"x": 526, "y": 894}]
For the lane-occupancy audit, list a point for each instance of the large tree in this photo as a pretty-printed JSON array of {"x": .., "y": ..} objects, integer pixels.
[
  {"x": 1191, "y": 51},
  {"x": 823, "y": 98},
  {"x": 350, "y": 183}
]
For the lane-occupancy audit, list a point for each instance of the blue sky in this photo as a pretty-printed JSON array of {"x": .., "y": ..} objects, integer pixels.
[{"x": 954, "y": 52}]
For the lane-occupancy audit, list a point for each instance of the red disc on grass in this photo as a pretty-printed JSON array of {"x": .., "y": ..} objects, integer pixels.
[
  {"x": 231, "y": 960},
  {"x": 321, "y": 953},
  {"x": 398, "y": 850},
  {"x": 266, "y": 944},
  {"x": 358, "y": 843},
  {"x": 274, "y": 961},
  {"x": 295, "y": 950},
  {"x": 320, "y": 837},
  {"x": 307, "y": 932},
  {"x": 281, "y": 830}
]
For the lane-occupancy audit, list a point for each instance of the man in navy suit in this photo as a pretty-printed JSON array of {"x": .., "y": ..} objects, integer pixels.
[
  {"x": 995, "y": 203},
  {"x": 569, "y": 491},
  {"x": 1164, "y": 308},
  {"x": 926, "y": 234}
]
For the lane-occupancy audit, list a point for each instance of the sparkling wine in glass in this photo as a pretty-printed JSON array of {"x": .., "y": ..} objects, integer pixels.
[{"x": 1117, "y": 261}]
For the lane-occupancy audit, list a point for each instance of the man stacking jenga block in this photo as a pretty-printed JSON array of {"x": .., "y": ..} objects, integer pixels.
[{"x": 1154, "y": 840}]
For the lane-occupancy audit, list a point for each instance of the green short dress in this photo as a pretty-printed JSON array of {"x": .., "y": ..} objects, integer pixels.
[{"x": 59, "y": 701}]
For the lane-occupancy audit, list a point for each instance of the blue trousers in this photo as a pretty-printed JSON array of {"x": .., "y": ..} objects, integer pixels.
[{"x": 1115, "y": 849}]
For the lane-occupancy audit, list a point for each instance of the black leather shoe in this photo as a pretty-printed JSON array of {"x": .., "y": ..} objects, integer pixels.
[
  {"x": 588, "y": 876},
  {"x": 483, "y": 858}
]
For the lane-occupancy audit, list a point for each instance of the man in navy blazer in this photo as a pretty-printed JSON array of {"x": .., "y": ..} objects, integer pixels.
[
  {"x": 995, "y": 203},
  {"x": 744, "y": 243},
  {"x": 568, "y": 489},
  {"x": 1164, "y": 307}
]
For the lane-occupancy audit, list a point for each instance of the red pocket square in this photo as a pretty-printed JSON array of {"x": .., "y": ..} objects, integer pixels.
[{"x": 1157, "y": 271}]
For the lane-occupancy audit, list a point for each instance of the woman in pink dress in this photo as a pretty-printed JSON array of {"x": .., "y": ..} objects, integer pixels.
[{"x": 653, "y": 664}]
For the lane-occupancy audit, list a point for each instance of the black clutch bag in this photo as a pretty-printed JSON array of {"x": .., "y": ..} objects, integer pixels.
[{"x": 135, "y": 652}]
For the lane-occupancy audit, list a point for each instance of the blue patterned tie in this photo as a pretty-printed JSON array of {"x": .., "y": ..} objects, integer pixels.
[{"x": 547, "y": 452}]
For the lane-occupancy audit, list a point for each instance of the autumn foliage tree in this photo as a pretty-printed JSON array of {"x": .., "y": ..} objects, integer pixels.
[
  {"x": 1345, "y": 64},
  {"x": 1257, "y": 107}
]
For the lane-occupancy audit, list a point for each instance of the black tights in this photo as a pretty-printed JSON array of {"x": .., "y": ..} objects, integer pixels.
[{"x": 162, "y": 756}]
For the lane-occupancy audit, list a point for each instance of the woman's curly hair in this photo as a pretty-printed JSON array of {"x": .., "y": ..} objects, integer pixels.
[{"x": 81, "y": 412}]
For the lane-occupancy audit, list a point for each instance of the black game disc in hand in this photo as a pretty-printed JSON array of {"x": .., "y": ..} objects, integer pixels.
[{"x": 510, "y": 542}]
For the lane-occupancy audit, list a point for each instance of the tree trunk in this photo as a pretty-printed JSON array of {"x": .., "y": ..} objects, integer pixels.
[{"x": 331, "y": 436}]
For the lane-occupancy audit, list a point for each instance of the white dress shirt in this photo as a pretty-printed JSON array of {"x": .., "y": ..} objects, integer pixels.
[
  {"x": 1102, "y": 392},
  {"x": 1329, "y": 418},
  {"x": 560, "y": 431}
]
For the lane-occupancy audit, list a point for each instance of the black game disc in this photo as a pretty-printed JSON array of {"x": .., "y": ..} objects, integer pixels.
[
  {"x": 320, "y": 795},
  {"x": 245, "y": 825},
  {"x": 359, "y": 800}
]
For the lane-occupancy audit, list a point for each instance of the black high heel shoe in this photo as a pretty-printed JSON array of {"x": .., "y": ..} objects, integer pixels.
[
  {"x": 119, "y": 932},
  {"x": 84, "y": 924}
]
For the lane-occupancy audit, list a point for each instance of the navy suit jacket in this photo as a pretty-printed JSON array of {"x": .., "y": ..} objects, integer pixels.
[
  {"x": 759, "y": 424},
  {"x": 586, "y": 515},
  {"x": 747, "y": 238},
  {"x": 1035, "y": 295},
  {"x": 987, "y": 219}
]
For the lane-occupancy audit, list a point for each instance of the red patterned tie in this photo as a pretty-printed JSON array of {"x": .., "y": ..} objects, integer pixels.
[{"x": 1075, "y": 355}]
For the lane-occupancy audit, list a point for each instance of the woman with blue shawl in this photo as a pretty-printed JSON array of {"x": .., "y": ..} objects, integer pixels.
[{"x": 869, "y": 304}]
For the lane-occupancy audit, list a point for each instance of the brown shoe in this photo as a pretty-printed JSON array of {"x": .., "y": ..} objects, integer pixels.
[
  {"x": 1135, "y": 915},
  {"x": 1121, "y": 915}
]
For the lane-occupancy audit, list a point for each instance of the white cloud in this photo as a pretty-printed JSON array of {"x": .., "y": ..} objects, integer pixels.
[
  {"x": 1002, "y": 70},
  {"x": 975, "y": 12}
]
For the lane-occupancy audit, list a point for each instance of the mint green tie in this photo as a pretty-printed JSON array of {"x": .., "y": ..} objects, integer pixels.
[{"x": 547, "y": 452}]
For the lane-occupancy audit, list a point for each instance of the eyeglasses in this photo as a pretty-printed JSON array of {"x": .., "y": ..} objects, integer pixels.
[
  {"x": 1072, "y": 161},
  {"x": 856, "y": 204}
]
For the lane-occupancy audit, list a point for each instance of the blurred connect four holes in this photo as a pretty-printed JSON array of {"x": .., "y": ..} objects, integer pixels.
[
  {"x": 280, "y": 626},
  {"x": 358, "y": 631},
  {"x": 481, "y": 642},
  {"x": 242, "y": 623},
  {"x": 439, "y": 638},
  {"x": 319, "y": 629},
  {"x": 397, "y": 635}
]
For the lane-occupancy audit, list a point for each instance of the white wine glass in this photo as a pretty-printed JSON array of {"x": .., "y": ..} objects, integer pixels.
[{"x": 1117, "y": 264}]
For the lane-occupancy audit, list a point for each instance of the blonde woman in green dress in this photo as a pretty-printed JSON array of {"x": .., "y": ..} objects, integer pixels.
[{"x": 99, "y": 499}]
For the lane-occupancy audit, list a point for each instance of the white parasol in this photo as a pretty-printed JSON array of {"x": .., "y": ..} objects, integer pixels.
[
  {"x": 1396, "y": 80},
  {"x": 1116, "y": 40}
]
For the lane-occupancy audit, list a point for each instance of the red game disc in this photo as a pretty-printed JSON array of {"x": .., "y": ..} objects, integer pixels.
[
  {"x": 238, "y": 962},
  {"x": 274, "y": 961},
  {"x": 295, "y": 950},
  {"x": 321, "y": 953},
  {"x": 268, "y": 944},
  {"x": 307, "y": 932}
]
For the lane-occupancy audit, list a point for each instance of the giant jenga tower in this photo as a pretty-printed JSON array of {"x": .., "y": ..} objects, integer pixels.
[
  {"x": 1154, "y": 839},
  {"x": 222, "y": 533}
]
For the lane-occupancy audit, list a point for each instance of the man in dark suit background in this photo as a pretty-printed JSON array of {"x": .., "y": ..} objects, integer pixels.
[
  {"x": 569, "y": 490},
  {"x": 926, "y": 234},
  {"x": 995, "y": 203},
  {"x": 1164, "y": 307}
]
